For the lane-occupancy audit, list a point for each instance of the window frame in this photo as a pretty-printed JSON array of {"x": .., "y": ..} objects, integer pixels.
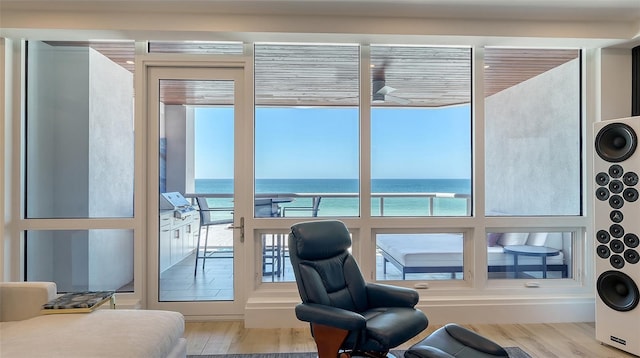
[{"x": 364, "y": 247}]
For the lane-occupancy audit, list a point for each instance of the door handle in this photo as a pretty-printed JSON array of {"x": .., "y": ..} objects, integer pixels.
[{"x": 241, "y": 227}]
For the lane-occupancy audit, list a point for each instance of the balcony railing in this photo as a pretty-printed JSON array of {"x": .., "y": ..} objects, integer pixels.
[{"x": 294, "y": 200}]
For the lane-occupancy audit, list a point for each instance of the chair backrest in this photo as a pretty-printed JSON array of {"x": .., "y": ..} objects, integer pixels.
[
  {"x": 325, "y": 271},
  {"x": 205, "y": 214},
  {"x": 266, "y": 208}
]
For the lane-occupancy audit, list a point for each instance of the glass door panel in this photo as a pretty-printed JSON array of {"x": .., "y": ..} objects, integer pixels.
[{"x": 195, "y": 112}]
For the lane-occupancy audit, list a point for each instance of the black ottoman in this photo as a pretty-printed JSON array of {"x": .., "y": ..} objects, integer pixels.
[{"x": 453, "y": 340}]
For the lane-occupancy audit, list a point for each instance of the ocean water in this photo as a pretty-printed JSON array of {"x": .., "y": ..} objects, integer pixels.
[{"x": 393, "y": 206}]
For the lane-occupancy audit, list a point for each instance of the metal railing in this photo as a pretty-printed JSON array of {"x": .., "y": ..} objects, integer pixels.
[{"x": 381, "y": 197}]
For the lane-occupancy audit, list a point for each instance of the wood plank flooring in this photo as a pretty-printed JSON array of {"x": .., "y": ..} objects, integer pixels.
[{"x": 560, "y": 340}]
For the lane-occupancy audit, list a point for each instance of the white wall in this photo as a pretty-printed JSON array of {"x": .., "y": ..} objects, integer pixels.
[
  {"x": 615, "y": 79},
  {"x": 530, "y": 169},
  {"x": 110, "y": 172},
  {"x": 178, "y": 125},
  {"x": 175, "y": 118},
  {"x": 110, "y": 121}
]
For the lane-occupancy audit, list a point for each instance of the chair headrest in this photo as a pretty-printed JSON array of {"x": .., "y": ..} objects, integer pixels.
[{"x": 317, "y": 240}]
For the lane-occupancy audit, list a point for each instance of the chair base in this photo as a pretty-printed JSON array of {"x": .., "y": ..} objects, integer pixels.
[
  {"x": 329, "y": 339},
  {"x": 456, "y": 341}
]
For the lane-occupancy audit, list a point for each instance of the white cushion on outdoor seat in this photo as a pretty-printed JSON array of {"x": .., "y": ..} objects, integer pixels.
[{"x": 442, "y": 250}]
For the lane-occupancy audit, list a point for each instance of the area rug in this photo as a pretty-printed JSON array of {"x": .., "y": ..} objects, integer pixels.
[{"x": 514, "y": 352}]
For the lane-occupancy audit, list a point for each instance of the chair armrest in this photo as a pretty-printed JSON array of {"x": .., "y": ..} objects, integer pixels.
[
  {"x": 330, "y": 316},
  {"x": 380, "y": 295},
  {"x": 23, "y": 300}
]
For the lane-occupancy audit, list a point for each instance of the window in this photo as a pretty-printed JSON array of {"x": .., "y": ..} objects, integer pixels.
[
  {"x": 307, "y": 156},
  {"x": 306, "y": 130},
  {"x": 79, "y": 157},
  {"x": 420, "y": 131},
  {"x": 276, "y": 265},
  {"x": 532, "y": 134},
  {"x": 81, "y": 260},
  {"x": 527, "y": 255},
  {"x": 213, "y": 159},
  {"x": 79, "y": 133},
  {"x": 425, "y": 256}
]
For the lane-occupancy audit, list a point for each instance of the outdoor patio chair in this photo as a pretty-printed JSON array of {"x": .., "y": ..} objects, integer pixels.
[
  {"x": 314, "y": 208},
  {"x": 206, "y": 221},
  {"x": 273, "y": 249}
]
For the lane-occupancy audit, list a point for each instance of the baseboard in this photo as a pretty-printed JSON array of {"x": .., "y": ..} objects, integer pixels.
[
  {"x": 539, "y": 310},
  {"x": 264, "y": 314},
  {"x": 272, "y": 313}
]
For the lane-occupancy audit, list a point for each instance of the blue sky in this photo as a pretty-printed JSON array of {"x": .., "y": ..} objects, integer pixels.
[{"x": 322, "y": 143}]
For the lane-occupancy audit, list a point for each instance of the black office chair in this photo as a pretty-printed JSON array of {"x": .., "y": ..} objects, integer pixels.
[{"x": 348, "y": 316}]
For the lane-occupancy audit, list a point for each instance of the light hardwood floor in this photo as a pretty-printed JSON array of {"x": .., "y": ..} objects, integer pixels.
[{"x": 564, "y": 340}]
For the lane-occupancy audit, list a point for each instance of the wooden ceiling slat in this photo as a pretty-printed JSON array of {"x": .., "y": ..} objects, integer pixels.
[{"x": 329, "y": 75}]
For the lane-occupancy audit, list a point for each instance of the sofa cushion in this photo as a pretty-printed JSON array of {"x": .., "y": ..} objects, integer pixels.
[
  {"x": 493, "y": 237},
  {"x": 537, "y": 238},
  {"x": 102, "y": 333},
  {"x": 513, "y": 238}
]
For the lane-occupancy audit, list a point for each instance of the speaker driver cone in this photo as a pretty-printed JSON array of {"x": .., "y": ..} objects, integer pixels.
[
  {"x": 616, "y": 142},
  {"x": 602, "y": 178},
  {"x": 616, "y": 230},
  {"x": 616, "y": 171},
  {"x": 603, "y": 251},
  {"x": 618, "y": 291},
  {"x": 617, "y": 246},
  {"x": 616, "y": 201},
  {"x": 603, "y": 236},
  {"x": 630, "y": 179},
  {"x": 602, "y": 193},
  {"x": 631, "y": 240},
  {"x": 632, "y": 256},
  {"x": 617, "y": 261},
  {"x": 630, "y": 195},
  {"x": 616, "y": 186}
]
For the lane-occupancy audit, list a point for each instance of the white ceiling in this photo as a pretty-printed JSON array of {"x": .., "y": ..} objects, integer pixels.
[
  {"x": 521, "y": 23},
  {"x": 570, "y": 10}
]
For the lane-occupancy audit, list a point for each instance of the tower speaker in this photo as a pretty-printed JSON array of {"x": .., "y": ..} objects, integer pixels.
[{"x": 617, "y": 231}]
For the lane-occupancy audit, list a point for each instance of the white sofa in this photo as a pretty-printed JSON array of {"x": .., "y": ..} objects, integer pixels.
[
  {"x": 24, "y": 332},
  {"x": 442, "y": 253}
]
